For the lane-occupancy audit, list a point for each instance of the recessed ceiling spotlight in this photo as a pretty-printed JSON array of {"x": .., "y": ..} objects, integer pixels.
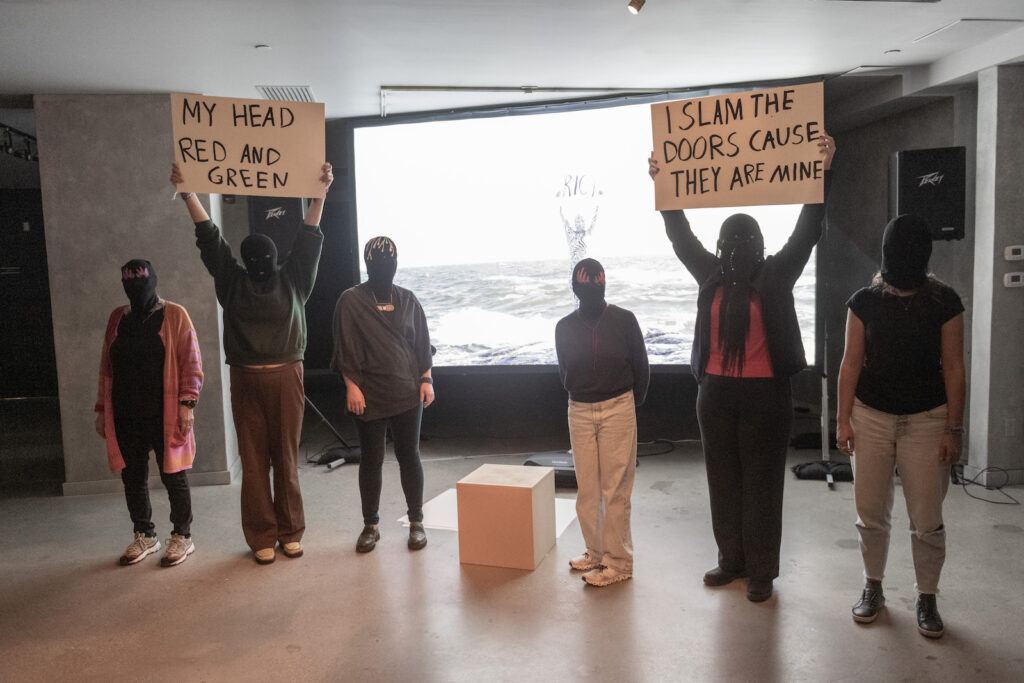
[{"x": 635, "y": 6}]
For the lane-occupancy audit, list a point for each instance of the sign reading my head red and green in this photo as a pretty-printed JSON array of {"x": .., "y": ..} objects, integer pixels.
[
  {"x": 227, "y": 145},
  {"x": 742, "y": 149}
]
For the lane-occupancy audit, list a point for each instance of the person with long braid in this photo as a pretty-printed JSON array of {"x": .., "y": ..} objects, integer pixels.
[{"x": 746, "y": 347}]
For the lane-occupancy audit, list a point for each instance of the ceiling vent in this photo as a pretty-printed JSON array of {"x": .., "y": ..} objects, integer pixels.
[
  {"x": 932, "y": 1},
  {"x": 288, "y": 93}
]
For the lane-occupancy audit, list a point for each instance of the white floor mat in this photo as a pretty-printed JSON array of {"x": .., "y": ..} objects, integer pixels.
[{"x": 442, "y": 512}]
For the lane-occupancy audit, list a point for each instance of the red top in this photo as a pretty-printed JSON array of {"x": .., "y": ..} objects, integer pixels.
[{"x": 756, "y": 362}]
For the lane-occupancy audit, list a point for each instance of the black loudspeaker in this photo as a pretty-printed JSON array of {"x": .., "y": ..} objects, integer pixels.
[
  {"x": 279, "y": 218},
  {"x": 930, "y": 183}
]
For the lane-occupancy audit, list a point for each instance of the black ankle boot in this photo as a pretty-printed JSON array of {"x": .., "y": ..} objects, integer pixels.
[
  {"x": 870, "y": 603},
  {"x": 929, "y": 623}
]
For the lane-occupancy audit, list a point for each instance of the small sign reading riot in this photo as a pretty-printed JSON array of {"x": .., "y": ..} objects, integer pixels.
[
  {"x": 250, "y": 147},
  {"x": 742, "y": 149}
]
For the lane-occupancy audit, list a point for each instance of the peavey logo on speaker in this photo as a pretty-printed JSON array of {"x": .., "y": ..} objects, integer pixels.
[
  {"x": 276, "y": 212},
  {"x": 933, "y": 178}
]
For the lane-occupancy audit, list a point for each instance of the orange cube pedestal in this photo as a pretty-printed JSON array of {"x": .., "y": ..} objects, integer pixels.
[{"x": 506, "y": 515}]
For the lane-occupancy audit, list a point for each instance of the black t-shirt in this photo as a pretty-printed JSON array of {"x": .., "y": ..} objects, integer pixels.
[
  {"x": 902, "y": 372},
  {"x": 137, "y": 361}
]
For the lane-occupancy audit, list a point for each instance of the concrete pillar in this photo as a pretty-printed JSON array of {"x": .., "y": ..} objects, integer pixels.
[
  {"x": 997, "y": 360},
  {"x": 104, "y": 167}
]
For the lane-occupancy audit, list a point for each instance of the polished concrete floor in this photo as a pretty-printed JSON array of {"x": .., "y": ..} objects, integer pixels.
[{"x": 69, "y": 613}]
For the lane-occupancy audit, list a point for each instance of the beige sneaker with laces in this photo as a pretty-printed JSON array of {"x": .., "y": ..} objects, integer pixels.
[
  {"x": 139, "y": 548},
  {"x": 584, "y": 563},
  {"x": 178, "y": 549},
  {"x": 606, "y": 576}
]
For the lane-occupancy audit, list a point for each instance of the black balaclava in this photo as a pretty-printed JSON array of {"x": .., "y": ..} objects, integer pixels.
[
  {"x": 588, "y": 286},
  {"x": 906, "y": 248},
  {"x": 259, "y": 253},
  {"x": 741, "y": 253},
  {"x": 139, "y": 281},
  {"x": 381, "y": 257}
]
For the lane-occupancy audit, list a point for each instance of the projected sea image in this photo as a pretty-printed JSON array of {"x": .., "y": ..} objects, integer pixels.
[{"x": 505, "y": 313}]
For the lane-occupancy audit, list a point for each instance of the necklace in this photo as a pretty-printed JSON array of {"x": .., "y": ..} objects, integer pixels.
[
  {"x": 384, "y": 306},
  {"x": 904, "y": 297}
]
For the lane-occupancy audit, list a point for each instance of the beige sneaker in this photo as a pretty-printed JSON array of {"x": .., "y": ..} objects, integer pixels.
[
  {"x": 140, "y": 547},
  {"x": 606, "y": 576},
  {"x": 584, "y": 563},
  {"x": 178, "y": 549},
  {"x": 293, "y": 549},
  {"x": 264, "y": 555}
]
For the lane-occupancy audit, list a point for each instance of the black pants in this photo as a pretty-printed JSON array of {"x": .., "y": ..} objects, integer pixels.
[
  {"x": 745, "y": 428},
  {"x": 136, "y": 439},
  {"x": 405, "y": 432}
]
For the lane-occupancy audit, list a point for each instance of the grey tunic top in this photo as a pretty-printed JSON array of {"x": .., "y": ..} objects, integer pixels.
[{"x": 383, "y": 352}]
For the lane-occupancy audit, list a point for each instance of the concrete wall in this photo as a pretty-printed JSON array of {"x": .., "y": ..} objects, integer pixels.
[
  {"x": 997, "y": 400},
  {"x": 104, "y": 164}
]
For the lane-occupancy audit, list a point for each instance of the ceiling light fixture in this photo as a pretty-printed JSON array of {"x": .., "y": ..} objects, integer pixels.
[{"x": 635, "y": 6}]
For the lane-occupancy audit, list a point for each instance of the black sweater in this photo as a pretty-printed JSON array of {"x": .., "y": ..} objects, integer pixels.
[
  {"x": 601, "y": 360},
  {"x": 263, "y": 324},
  {"x": 774, "y": 282},
  {"x": 383, "y": 353}
]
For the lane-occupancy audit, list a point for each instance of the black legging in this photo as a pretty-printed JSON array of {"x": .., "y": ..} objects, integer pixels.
[
  {"x": 405, "y": 432},
  {"x": 136, "y": 439},
  {"x": 745, "y": 425}
]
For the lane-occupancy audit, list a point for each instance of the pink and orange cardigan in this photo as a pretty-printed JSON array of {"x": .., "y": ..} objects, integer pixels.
[{"x": 183, "y": 378}]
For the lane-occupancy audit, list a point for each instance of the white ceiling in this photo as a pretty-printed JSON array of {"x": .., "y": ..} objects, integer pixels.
[{"x": 346, "y": 50}]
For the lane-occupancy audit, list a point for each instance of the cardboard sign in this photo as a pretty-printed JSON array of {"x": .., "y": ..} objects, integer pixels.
[
  {"x": 226, "y": 145},
  {"x": 743, "y": 149}
]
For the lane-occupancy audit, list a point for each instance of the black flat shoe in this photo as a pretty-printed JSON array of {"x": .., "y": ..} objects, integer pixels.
[
  {"x": 368, "y": 539},
  {"x": 417, "y": 536},
  {"x": 870, "y": 604},
  {"x": 929, "y": 623},
  {"x": 720, "y": 577},
  {"x": 759, "y": 590}
]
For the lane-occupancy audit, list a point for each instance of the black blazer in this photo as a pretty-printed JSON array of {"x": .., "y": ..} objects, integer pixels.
[{"x": 774, "y": 282}]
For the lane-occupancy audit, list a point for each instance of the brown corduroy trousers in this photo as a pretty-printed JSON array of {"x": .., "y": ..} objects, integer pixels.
[{"x": 268, "y": 407}]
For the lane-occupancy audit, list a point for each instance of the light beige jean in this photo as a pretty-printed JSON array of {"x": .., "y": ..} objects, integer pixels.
[
  {"x": 603, "y": 437},
  {"x": 886, "y": 443}
]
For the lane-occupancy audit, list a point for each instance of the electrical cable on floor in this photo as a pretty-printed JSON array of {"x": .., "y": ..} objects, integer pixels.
[
  {"x": 959, "y": 478},
  {"x": 318, "y": 458},
  {"x": 671, "y": 447}
]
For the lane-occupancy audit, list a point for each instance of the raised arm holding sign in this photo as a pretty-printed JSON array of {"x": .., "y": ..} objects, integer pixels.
[
  {"x": 264, "y": 343},
  {"x": 746, "y": 346}
]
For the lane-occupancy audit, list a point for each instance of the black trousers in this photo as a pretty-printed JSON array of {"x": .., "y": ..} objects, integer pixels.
[
  {"x": 136, "y": 439},
  {"x": 405, "y": 433},
  {"x": 745, "y": 426}
]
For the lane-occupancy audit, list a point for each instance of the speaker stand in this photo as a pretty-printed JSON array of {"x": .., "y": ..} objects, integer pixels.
[{"x": 335, "y": 456}]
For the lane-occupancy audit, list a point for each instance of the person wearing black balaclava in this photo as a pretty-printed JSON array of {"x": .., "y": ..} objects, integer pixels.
[
  {"x": 151, "y": 373},
  {"x": 382, "y": 352},
  {"x": 901, "y": 402},
  {"x": 264, "y": 306},
  {"x": 746, "y": 347},
  {"x": 602, "y": 362}
]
